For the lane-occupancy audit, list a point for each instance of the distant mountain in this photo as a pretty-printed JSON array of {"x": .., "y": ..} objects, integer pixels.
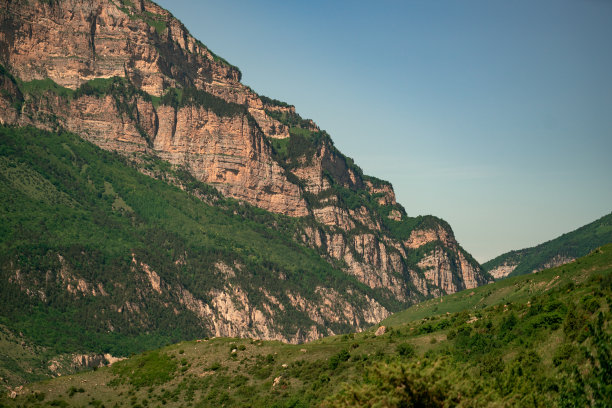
[
  {"x": 552, "y": 253},
  {"x": 541, "y": 340}
]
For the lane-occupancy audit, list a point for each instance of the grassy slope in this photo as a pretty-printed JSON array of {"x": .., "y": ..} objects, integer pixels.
[
  {"x": 20, "y": 360},
  {"x": 537, "y": 340},
  {"x": 571, "y": 245}
]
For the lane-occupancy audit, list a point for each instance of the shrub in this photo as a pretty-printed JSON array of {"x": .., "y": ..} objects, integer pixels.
[
  {"x": 405, "y": 350},
  {"x": 563, "y": 353},
  {"x": 338, "y": 358},
  {"x": 552, "y": 320},
  {"x": 391, "y": 386}
]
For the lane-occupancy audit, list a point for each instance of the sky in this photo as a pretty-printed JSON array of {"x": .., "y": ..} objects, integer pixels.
[{"x": 493, "y": 115}]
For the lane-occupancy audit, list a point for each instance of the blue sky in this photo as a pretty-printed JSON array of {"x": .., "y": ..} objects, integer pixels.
[{"x": 494, "y": 115}]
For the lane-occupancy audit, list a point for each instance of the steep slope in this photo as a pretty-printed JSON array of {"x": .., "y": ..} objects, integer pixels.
[
  {"x": 552, "y": 253},
  {"x": 537, "y": 340},
  {"x": 96, "y": 257},
  {"x": 129, "y": 77}
]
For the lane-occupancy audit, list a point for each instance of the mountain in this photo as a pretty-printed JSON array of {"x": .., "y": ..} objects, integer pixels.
[
  {"x": 552, "y": 253},
  {"x": 537, "y": 340},
  {"x": 210, "y": 211},
  {"x": 96, "y": 256}
]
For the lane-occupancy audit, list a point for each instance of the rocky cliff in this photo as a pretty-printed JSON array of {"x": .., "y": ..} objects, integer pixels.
[{"x": 127, "y": 76}]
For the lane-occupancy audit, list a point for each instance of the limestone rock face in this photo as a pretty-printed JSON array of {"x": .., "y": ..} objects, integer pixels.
[
  {"x": 74, "y": 42},
  {"x": 130, "y": 78},
  {"x": 228, "y": 152},
  {"x": 502, "y": 270}
]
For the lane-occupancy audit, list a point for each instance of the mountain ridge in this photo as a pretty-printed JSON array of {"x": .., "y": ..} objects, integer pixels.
[{"x": 557, "y": 251}]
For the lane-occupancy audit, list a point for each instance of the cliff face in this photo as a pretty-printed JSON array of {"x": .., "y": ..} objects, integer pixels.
[
  {"x": 72, "y": 42},
  {"x": 129, "y": 77}
]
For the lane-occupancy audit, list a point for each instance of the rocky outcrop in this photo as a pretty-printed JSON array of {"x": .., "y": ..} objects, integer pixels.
[
  {"x": 502, "y": 271},
  {"x": 557, "y": 260},
  {"x": 228, "y": 152},
  {"x": 94, "y": 360}
]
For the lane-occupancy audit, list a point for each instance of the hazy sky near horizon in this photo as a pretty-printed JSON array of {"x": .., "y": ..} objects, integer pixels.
[{"x": 493, "y": 115}]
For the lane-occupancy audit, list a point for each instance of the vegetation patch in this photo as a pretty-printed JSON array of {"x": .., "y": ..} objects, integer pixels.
[
  {"x": 39, "y": 87},
  {"x": 180, "y": 97},
  {"x": 145, "y": 370}
]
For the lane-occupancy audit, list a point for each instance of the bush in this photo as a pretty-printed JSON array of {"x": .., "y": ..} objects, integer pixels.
[
  {"x": 391, "y": 386},
  {"x": 590, "y": 304},
  {"x": 73, "y": 390},
  {"x": 338, "y": 358},
  {"x": 551, "y": 320},
  {"x": 508, "y": 323},
  {"x": 564, "y": 353},
  {"x": 405, "y": 350}
]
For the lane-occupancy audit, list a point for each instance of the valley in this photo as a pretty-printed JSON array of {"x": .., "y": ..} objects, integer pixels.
[
  {"x": 170, "y": 237},
  {"x": 537, "y": 340}
]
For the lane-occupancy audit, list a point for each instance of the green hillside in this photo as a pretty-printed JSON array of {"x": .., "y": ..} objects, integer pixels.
[
  {"x": 568, "y": 246},
  {"x": 74, "y": 218},
  {"x": 538, "y": 340}
]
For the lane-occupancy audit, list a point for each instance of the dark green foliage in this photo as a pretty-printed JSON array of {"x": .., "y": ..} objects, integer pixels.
[
  {"x": 5, "y": 72},
  {"x": 599, "y": 382},
  {"x": 291, "y": 119},
  {"x": 340, "y": 357},
  {"x": 303, "y": 143},
  {"x": 405, "y": 350},
  {"x": 179, "y": 97},
  {"x": 9, "y": 89},
  {"x": 73, "y": 390},
  {"x": 564, "y": 353},
  {"x": 273, "y": 102},
  {"x": 99, "y": 87}
]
